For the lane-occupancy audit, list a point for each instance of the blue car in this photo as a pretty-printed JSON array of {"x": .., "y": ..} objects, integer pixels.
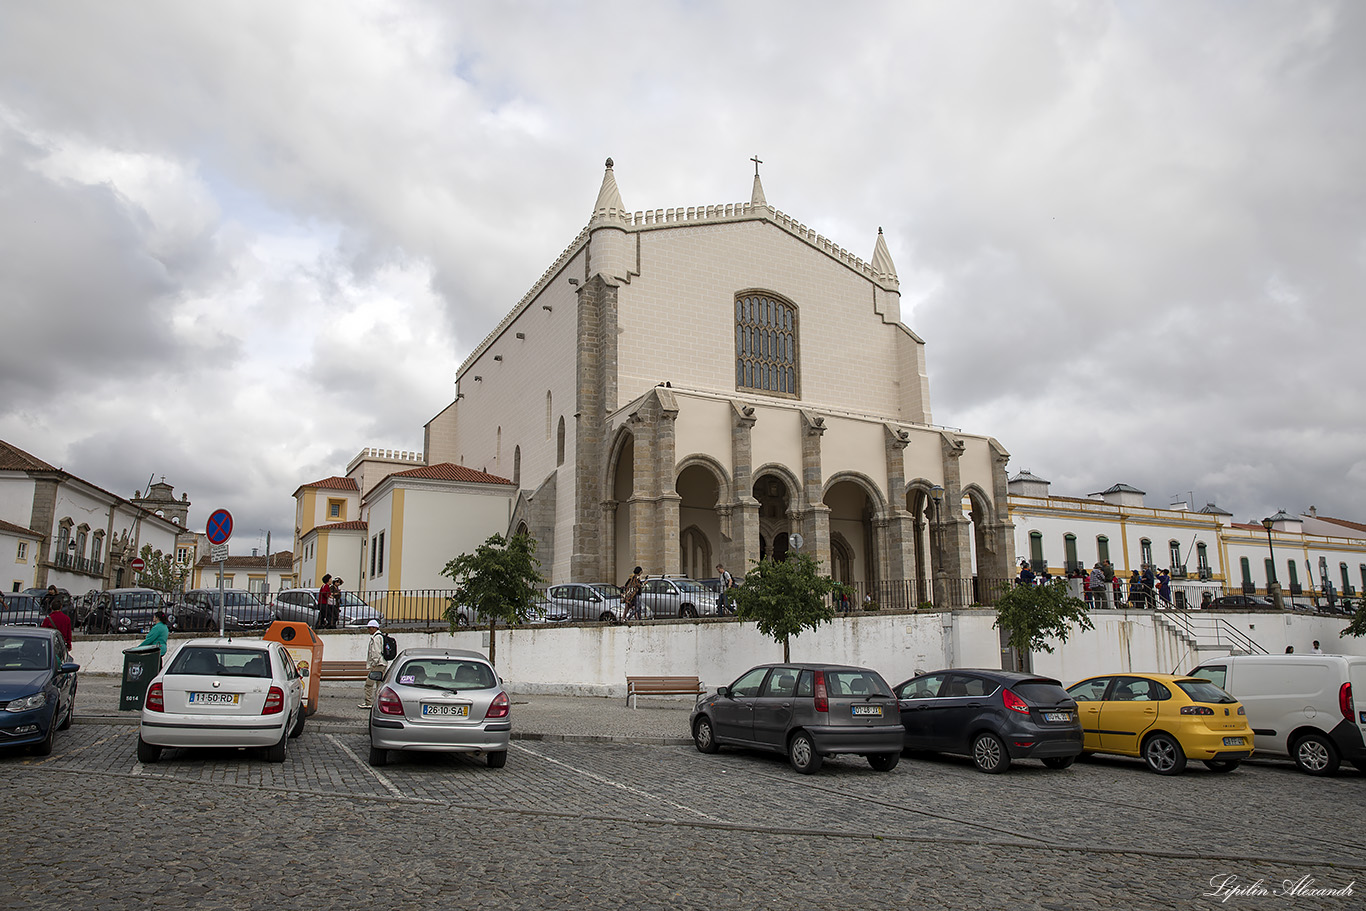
[{"x": 37, "y": 687}]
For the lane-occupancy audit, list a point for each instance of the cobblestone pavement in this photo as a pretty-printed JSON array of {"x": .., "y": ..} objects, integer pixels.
[{"x": 621, "y": 825}]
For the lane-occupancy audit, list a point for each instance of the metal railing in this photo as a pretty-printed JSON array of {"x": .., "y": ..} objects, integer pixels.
[
  {"x": 1210, "y": 631},
  {"x": 78, "y": 564}
]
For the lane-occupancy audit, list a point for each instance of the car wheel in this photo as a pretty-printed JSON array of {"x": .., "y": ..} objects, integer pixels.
[
  {"x": 298, "y": 725},
  {"x": 378, "y": 757},
  {"x": 44, "y": 746},
  {"x": 1316, "y": 755},
  {"x": 704, "y": 737},
  {"x": 688, "y": 611},
  {"x": 989, "y": 753},
  {"x": 280, "y": 751},
  {"x": 498, "y": 759},
  {"x": 1164, "y": 755},
  {"x": 883, "y": 762},
  {"x": 801, "y": 752},
  {"x": 606, "y": 617},
  {"x": 148, "y": 753},
  {"x": 70, "y": 711},
  {"x": 1222, "y": 765},
  {"x": 1059, "y": 762}
]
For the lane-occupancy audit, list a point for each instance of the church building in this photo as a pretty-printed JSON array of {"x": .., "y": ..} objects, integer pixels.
[{"x": 720, "y": 384}]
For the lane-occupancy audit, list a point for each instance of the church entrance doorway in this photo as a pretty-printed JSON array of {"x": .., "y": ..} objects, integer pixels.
[{"x": 775, "y": 523}]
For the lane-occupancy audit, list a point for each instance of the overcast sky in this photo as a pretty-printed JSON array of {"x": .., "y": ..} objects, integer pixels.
[{"x": 240, "y": 241}]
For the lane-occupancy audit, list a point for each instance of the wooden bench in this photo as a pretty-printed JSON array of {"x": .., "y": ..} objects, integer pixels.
[
  {"x": 343, "y": 670},
  {"x": 662, "y": 686}
]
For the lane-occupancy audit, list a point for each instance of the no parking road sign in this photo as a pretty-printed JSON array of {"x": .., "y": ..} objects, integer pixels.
[{"x": 219, "y": 529}]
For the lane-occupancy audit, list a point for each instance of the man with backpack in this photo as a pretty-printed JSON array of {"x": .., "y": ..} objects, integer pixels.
[
  {"x": 629, "y": 592},
  {"x": 380, "y": 650},
  {"x": 727, "y": 583}
]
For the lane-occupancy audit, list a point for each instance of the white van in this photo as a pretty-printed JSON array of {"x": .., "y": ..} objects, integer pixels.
[{"x": 1299, "y": 706}]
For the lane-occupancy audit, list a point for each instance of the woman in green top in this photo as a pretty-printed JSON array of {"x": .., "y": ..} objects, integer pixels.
[{"x": 158, "y": 634}]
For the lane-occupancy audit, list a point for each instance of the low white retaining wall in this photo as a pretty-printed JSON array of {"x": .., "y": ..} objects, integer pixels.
[{"x": 595, "y": 660}]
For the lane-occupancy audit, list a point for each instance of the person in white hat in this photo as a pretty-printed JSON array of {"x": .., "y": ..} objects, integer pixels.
[{"x": 374, "y": 664}]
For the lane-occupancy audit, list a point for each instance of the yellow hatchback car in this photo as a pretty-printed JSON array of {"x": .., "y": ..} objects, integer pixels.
[{"x": 1164, "y": 719}]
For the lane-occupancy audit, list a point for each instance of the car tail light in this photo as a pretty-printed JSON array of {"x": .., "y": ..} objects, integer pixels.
[
  {"x": 156, "y": 699},
  {"x": 1241, "y": 710},
  {"x": 1196, "y": 710},
  {"x": 1014, "y": 703},
  {"x": 275, "y": 701},
  {"x": 822, "y": 695},
  {"x": 499, "y": 708},
  {"x": 1345, "y": 704},
  {"x": 389, "y": 703}
]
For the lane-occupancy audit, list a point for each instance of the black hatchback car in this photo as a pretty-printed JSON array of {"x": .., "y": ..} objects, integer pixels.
[
  {"x": 992, "y": 716},
  {"x": 804, "y": 711},
  {"x": 126, "y": 611}
]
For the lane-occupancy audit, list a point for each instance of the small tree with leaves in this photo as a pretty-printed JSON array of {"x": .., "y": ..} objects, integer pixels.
[
  {"x": 498, "y": 581},
  {"x": 160, "y": 571},
  {"x": 785, "y": 597},
  {"x": 1358, "y": 625},
  {"x": 1033, "y": 614}
]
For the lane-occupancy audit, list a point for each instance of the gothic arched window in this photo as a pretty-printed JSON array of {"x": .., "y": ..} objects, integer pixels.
[{"x": 766, "y": 345}]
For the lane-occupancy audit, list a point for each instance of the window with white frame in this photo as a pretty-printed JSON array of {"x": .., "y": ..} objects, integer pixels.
[{"x": 23, "y": 551}]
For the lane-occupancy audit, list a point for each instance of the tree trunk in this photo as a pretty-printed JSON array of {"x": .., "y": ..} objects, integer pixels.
[
  {"x": 493, "y": 640},
  {"x": 787, "y": 653}
]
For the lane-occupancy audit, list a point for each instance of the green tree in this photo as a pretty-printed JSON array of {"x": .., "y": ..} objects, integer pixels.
[
  {"x": 785, "y": 597},
  {"x": 161, "y": 571},
  {"x": 1358, "y": 625},
  {"x": 1033, "y": 614},
  {"x": 499, "y": 581}
]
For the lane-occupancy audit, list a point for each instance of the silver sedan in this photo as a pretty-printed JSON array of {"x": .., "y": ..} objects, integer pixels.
[
  {"x": 441, "y": 700},
  {"x": 224, "y": 693}
]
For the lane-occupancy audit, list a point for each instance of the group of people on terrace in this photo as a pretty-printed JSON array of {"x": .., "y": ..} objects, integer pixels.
[{"x": 1102, "y": 587}]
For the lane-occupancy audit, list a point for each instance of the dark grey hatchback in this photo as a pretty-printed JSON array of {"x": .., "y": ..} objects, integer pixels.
[
  {"x": 806, "y": 712},
  {"x": 992, "y": 716}
]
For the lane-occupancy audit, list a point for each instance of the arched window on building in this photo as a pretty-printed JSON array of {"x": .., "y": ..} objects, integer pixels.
[
  {"x": 548, "y": 417},
  {"x": 1294, "y": 578},
  {"x": 559, "y": 443},
  {"x": 82, "y": 535},
  {"x": 1246, "y": 566},
  {"x": 1036, "y": 561},
  {"x": 1102, "y": 548},
  {"x": 1202, "y": 560},
  {"x": 1174, "y": 551},
  {"x": 1069, "y": 553},
  {"x": 61, "y": 553},
  {"x": 1346, "y": 580},
  {"x": 1270, "y": 569},
  {"x": 97, "y": 546},
  {"x": 1145, "y": 552},
  {"x": 766, "y": 345}
]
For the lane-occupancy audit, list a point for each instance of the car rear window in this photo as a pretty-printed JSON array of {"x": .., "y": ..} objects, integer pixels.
[
  {"x": 447, "y": 673},
  {"x": 136, "y": 601},
  {"x": 1204, "y": 691},
  {"x": 1041, "y": 692},
  {"x": 856, "y": 683},
  {"x": 220, "y": 661}
]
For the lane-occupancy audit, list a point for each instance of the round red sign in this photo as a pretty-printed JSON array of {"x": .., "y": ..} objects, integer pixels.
[{"x": 138, "y": 564}]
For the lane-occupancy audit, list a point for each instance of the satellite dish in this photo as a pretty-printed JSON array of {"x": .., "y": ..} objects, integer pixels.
[{"x": 795, "y": 541}]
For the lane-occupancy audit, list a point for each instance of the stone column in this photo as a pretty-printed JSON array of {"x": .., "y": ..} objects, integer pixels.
[
  {"x": 813, "y": 514},
  {"x": 899, "y": 549},
  {"x": 1002, "y": 531},
  {"x": 42, "y": 518},
  {"x": 742, "y": 551},
  {"x": 597, "y": 309},
  {"x": 953, "y": 563},
  {"x": 667, "y": 499},
  {"x": 640, "y": 508}
]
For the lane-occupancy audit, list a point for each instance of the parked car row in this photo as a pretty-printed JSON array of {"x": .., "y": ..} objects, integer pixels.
[{"x": 1299, "y": 707}]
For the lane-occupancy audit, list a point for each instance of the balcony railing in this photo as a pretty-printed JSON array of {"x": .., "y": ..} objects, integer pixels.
[{"x": 78, "y": 564}]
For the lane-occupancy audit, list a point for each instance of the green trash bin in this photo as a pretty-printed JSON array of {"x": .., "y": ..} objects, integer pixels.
[{"x": 140, "y": 665}]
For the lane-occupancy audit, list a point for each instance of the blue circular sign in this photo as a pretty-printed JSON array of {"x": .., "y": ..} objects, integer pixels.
[{"x": 219, "y": 529}]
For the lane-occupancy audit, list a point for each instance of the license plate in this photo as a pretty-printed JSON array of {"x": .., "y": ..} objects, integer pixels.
[
  {"x": 215, "y": 698},
  {"x": 874, "y": 710},
  {"x": 1057, "y": 716},
  {"x": 459, "y": 711},
  {"x": 1233, "y": 741}
]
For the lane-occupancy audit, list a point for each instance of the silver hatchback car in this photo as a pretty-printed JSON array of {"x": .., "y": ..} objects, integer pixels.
[
  {"x": 806, "y": 712},
  {"x": 441, "y": 700}
]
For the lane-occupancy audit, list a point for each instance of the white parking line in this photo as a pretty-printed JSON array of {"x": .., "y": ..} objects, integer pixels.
[
  {"x": 365, "y": 765},
  {"x": 616, "y": 784}
]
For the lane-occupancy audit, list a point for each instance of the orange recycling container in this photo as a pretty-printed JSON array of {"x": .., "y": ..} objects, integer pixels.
[{"x": 306, "y": 648}]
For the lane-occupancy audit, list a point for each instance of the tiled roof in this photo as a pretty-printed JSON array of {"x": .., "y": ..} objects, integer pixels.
[
  {"x": 447, "y": 471},
  {"x": 282, "y": 560},
  {"x": 353, "y": 525},
  {"x": 1356, "y": 526},
  {"x": 18, "y": 529},
  {"x": 12, "y": 458},
  {"x": 333, "y": 483}
]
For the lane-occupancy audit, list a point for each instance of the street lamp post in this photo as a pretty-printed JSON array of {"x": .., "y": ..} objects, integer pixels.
[
  {"x": 1273, "y": 588},
  {"x": 937, "y": 546}
]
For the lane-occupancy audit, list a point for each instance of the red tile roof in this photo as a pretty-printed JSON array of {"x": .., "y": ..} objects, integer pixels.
[
  {"x": 447, "y": 471},
  {"x": 13, "y": 529},
  {"x": 282, "y": 560},
  {"x": 353, "y": 525},
  {"x": 333, "y": 483},
  {"x": 12, "y": 458},
  {"x": 1357, "y": 526}
]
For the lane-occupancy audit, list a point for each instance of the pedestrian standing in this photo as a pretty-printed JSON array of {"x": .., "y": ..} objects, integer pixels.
[
  {"x": 1026, "y": 576},
  {"x": 374, "y": 664},
  {"x": 1098, "y": 588},
  {"x": 727, "y": 583},
  {"x": 1316, "y": 650},
  {"x": 1164, "y": 587},
  {"x": 158, "y": 634},
  {"x": 324, "y": 602},
  {"x": 629, "y": 592},
  {"x": 336, "y": 601},
  {"x": 58, "y": 620}
]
